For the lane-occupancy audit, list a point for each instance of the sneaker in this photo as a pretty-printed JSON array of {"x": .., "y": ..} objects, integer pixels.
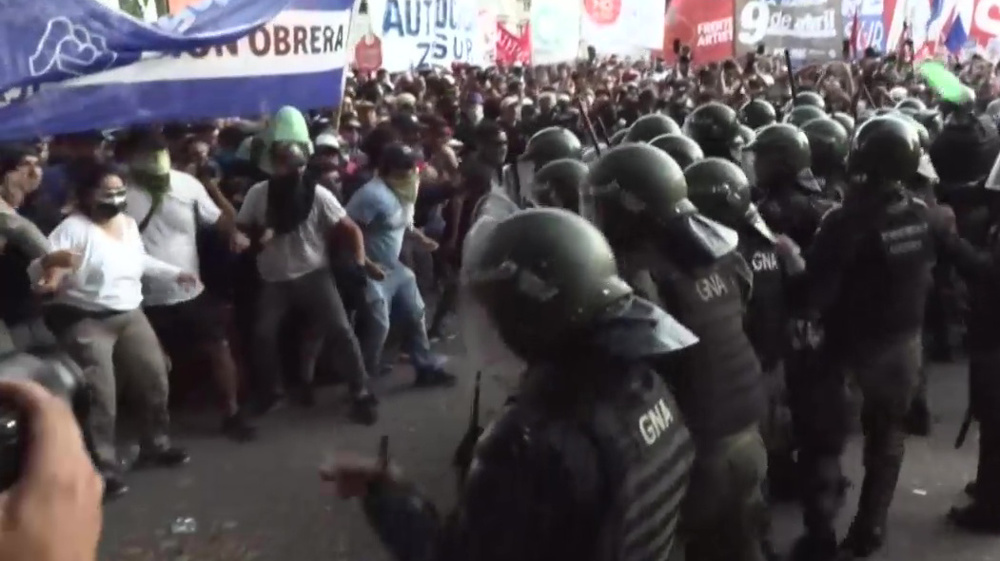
[
  {"x": 236, "y": 427},
  {"x": 114, "y": 487},
  {"x": 165, "y": 457},
  {"x": 436, "y": 378},
  {"x": 364, "y": 410}
]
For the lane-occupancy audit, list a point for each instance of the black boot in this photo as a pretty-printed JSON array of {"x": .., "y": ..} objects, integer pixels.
[
  {"x": 815, "y": 546},
  {"x": 976, "y": 518},
  {"x": 862, "y": 540}
]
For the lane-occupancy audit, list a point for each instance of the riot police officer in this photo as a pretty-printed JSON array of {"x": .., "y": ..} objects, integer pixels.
[
  {"x": 802, "y": 114},
  {"x": 558, "y": 184},
  {"x": 591, "y": 459},
  {"x": 682, "y": 149},
  {"x": 809, "y": 98},
  {"x": 544, "y": 146},
  {"x": 690, "y": 265},
  {"x": 716, "y": 128},
  {"x": 867, "y": 277},
  {"x": 650, "y": 126},
  {"x": 721, "y": 191},
  {"x": 846, "y": 121},
  {"x": 828, "y": 144},
  {"x": 980, "y": 266},
  {"x": 790, "y": 198},
  {"x": 757, "y": 113}
]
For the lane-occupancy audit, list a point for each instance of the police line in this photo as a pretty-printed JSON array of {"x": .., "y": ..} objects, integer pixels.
[{"x": 297, "y": 58}]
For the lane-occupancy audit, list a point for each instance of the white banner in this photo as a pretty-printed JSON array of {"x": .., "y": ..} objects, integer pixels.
[
  {"x": 417, "y": 32},
  {"x": 555, "y": 31},
  {"x": 624, "y": 27},
  {"x": 488, "y": 30}
]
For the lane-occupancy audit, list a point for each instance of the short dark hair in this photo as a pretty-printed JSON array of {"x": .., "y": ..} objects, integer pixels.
[
  {"x": 376, "y": 141},
  {"x": 141, "y": 139},
  {"x": 85, "y": 176}
]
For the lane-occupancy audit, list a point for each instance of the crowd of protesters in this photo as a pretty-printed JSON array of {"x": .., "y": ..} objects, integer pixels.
[{"x": 182, "y": 248}]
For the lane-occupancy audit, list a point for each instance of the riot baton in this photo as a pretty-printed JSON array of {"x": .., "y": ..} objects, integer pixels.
[
  {"x": 963, "y": 431},
  {"x": 464, "y": 454},
  {"x": 791, "y": 76},
  {"x": 589, "y": 127}
]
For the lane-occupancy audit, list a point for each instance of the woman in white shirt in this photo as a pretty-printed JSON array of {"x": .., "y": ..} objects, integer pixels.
[{"x": 96, "y": 314}]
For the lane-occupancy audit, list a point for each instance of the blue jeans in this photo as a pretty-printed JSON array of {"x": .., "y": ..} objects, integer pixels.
[{"x": 396, "y": 296}]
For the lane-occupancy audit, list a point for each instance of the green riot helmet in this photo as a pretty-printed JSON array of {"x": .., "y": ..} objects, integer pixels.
[
  {"x": 721, "y": 191},
  {"x": 810, "y": 99},
  {"x": 558, "y": 184},
  {"x": 757, "y": 113},
  {"x": 636, "y": 192},
  {"x": 931, "y": 120},
  {"x": 781, "y": 154},
  {"x": 546, "y": 145},
  {"x": 911, "y": 104},
  {"x": 802, "y": 114},
  {"x": 682, "y": 149},
  {"x": 846, "y": 121},
  {"x": 648, "y": 127},
  {"x": 618, "y": 137},
  {"x": 993, "y": 109},
  {"x": 922, "y": 132},
  {"x": 552, "y": 143},
  {"x": 885, "y": 148},
  {"x": 747, "y": 135},
  {"x": 829, "y": 144},
  {"x": 716, "y": 128},
  {"x": 546, "y": 282}
]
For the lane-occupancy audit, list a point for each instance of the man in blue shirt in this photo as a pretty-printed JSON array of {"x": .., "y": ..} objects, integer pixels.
[{"x": 383, "y": 208}]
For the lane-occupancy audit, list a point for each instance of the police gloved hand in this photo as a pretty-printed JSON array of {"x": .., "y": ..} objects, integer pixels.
[
  {"x": 790, "y": 254},
  {"x": 53, "y": 512}
]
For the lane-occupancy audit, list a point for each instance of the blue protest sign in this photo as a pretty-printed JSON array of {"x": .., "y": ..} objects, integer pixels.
[{"x": 295, "y": 58}]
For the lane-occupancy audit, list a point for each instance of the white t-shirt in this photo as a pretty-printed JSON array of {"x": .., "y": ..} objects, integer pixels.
[
  {"x": 171, "y": 234},
  {"x": 111, "y": 270},
  {"x": 296, "y": 253}
]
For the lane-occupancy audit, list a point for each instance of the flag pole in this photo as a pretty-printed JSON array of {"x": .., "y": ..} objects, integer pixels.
[{"x": 362, "y": 6}]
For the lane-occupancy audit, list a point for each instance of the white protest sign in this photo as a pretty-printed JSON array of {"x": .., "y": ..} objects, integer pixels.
[
  {"x": 555, "y": 31},
  {"x": 427, "y": 32},
  {"x": 623, "y": 27}
]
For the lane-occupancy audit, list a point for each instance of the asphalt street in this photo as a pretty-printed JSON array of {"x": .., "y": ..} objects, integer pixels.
[{"x": 264, "y": 501}]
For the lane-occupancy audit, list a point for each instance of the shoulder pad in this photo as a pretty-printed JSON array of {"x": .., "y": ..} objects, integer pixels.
[
  {"x": 920, "y": 202},
  {"x": 832, "y": 211}
]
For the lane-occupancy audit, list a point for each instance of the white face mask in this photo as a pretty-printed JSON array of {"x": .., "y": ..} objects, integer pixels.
[{"x": 475, "y": 113}]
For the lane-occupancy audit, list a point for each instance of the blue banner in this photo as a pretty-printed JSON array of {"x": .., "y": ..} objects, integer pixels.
[
  {"x": 59, "y": 39},
  {"x": 230, "y": 57}
]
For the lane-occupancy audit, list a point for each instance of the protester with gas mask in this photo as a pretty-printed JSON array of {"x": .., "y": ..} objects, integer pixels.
[
  {"x": 291, "y": 221},
  {"x": 96, "y": 315}
]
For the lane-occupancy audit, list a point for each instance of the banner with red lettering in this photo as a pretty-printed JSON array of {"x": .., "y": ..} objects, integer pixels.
[
  {"x": 704, "y": 25},
  {"x": 512, "y": 47}
]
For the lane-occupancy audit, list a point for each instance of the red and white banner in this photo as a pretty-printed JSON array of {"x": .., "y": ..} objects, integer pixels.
[
  {"x": 704, "y": 25},
  {"x": 928, "y": 30},
  {"x": 512, "y": 47}
]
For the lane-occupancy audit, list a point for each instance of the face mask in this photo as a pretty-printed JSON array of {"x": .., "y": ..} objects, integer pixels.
[
  {"x": 475, "y": 113},
  {"x": 405, "y": 188},
  {"x": 108, "y": 206}
]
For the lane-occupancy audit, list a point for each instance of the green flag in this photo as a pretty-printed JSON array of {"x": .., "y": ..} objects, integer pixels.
[{"x": 946, "y": 84}]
